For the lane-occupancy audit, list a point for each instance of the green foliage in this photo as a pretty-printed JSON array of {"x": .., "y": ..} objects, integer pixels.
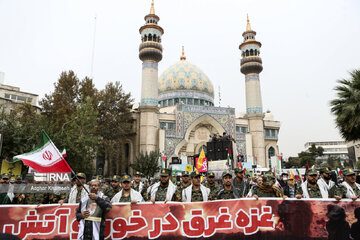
[
  {"x": 305, "y": 157},
  {"x": 346, "y": 107},
  {"x": 293, "y": 162},
  {"x": 147, "y": 164},
  {"x": 77, "y": 117}
]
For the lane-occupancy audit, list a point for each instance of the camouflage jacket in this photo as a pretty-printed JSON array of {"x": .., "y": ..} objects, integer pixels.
[
  {"x": 256, "y": 190},
  {"x": 213, "y": 191},
  {"x": 227, "y": 194},
  {"x": 342, "y": 191},
  {"x": 161, "y": 194},
  {"x": 242, "y": 187},
  {"x": 314, "y": 192},
  {"x": 111, "y": 192},
  {"x": 36, "y": 198},
  {"x": 196, "y": 196},
  {"x": 179, "y": 190}
]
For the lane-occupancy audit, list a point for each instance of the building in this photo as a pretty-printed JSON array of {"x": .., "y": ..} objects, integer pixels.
[
  {"x": 11, "y": 96},
  {"x": 177, "y": 114},
  {"x": 353, "y": 149},
  {"x": 335, "y": 149}
]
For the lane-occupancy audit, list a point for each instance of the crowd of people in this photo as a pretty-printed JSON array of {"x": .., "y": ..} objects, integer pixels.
[
  {"x": 193, "y": 187},
  {"x": 96, "y": 197}
]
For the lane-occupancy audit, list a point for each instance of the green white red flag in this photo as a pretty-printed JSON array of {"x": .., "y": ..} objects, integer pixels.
[{"x": 45, "y": 158}]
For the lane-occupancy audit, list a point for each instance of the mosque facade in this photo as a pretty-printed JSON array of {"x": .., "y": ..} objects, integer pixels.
[{"x": 177, "y": 113}]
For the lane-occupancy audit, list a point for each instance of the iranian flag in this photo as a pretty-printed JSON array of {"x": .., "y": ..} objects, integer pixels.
[{"x": 45, "y": 158}]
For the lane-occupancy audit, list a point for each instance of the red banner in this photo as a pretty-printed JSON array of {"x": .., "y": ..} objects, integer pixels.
[
  {"x": 201, "y": 165},
  {"x": 229, "y": 219}
]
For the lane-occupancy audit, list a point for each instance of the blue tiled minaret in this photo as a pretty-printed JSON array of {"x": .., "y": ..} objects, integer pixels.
[
  {"x": 251, "y": 66},
  {"x": 150, "y": 53}
]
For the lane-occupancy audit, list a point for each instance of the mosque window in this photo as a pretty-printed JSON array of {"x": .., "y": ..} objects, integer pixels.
[
  {"x": 202, "y": 102},
  {"x": 196, "y": 101},
  {"x": 162, "y": 125},
  {"x": 247, "y": 52},
  {"x": 241, "y": 129},
  {"x": 127, "y": 151},
  {"x": 155, "y": 37},
  {"x": 176, "y": 101},
  {"x": 190, "y": 101},
  {"x": 255, "y": 52},
  {"x": 170, "y": 101},
  {"x": 271, "y": 152},
  {"x": 145, "y": 38},
  {"x": 183, "y": 100},
  {"x": 251, "y": 52},
  {"x": 150, "y": 37}
]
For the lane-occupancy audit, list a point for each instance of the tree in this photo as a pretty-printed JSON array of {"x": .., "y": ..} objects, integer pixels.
[
  {"x": 346, "y": 107},
  {"x": 114, "y": 125},
  {"x": 147, "y": 164},
  {"x": 293, "y": 162}
]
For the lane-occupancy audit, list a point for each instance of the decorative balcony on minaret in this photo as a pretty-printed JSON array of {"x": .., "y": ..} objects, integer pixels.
[{"x": 251, "y": 66}]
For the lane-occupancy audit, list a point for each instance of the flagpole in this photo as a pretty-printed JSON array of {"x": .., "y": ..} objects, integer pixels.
[{"x": 57, "y": 151}]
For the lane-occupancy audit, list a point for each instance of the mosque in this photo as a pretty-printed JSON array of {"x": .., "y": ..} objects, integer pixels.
[{"x": 177, "y": 113}]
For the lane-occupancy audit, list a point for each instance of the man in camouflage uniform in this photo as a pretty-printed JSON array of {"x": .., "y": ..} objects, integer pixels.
[
  {"x": 227, "y": 191},
  {"x": 310, "y": 188},
  {"x": 195, "y": 192},
  {"x": 77, "y": 192},
  {"x": 210, "y": 184},
  {"x": 240, "y": 184},
  {"x": 325, "y": 181},
  {"x": 5, "y": 196},
  {"x": 19, "y": 196},
  {"x": 164, "y": 190},
  {"x": 115, "y": 187},
  {"x": 349, "y": 188},
  {"x": 184, "y": 183},
  {"x": 127, "y": 194},
  {"x": 138, "y": 186},
  {"x": 267, "y": 187}
]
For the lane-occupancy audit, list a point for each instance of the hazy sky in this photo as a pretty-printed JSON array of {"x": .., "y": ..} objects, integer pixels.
[{"x": 307, "y": 46}]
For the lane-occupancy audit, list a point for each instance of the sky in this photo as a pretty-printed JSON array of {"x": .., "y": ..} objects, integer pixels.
[{"x": 306, "y": 46}]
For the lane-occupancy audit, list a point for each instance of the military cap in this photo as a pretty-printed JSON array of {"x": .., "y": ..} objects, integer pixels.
[
  {"x": 137, "y": 173},
  {"x": 238, "y": 170},
  {"x": 164, "y": 172},
  {"x": 125, "y": 178},
  {"x": 348, "y": 172},
  {"x": 185, "y": 173},
  {"x": 211, "y": 174},
  {"x": 6, "y": 176},
  {"x": 311, "y": 171},
  {"x": 116, "y": 178},
  {"x": 99, "y": 177},
  {"x": 227, "y": 172},
  {"x": 18, "y": 177},
  {"x": 284, "y": 173},
  {"x": 81, "y": 175},
  {"x": 325, "y": 170},
  {"x": 194, "y": 174},
  {"x": 269, "y": 174}
]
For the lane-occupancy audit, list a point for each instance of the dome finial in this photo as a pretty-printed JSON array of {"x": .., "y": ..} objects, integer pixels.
[
  {"x": 248, "y": 27},
  {"x": 152, "y": 9},
  {"x": 183, "y": 54}
]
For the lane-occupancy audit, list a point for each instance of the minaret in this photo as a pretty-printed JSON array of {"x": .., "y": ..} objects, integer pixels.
[
  {"x": 251, "y": 67},
  {"x": 150, "y": 53}
]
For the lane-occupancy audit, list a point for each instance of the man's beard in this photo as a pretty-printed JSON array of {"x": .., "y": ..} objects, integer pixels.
[
  {"x": 312, "y": 181},
  {"x": 327, "y": 177}
]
